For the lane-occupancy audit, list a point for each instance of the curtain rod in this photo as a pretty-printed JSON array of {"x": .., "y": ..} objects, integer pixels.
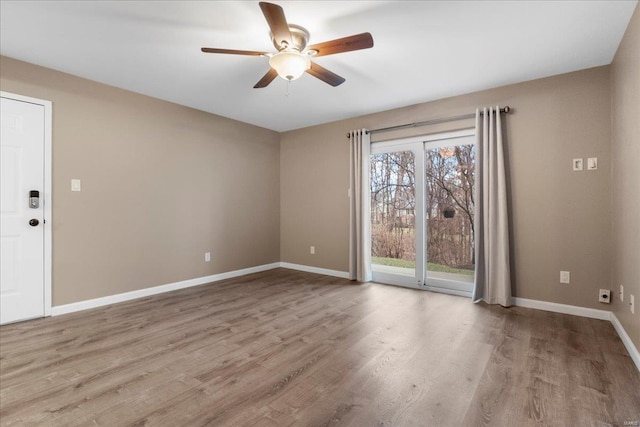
[{"x": 506, "y": 109}]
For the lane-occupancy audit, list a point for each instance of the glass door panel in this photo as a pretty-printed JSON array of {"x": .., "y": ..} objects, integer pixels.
[
  {"x": 449, "y": 185},
  {"x": 394, "y": 230}
]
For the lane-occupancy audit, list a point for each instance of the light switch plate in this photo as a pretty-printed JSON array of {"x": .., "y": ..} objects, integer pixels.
[
  {"x": 592, "y": 163},
  {"x": 577, "y": 164},
  {"x": 565, "y": 277},
  {"x": 76, "y": 185}
]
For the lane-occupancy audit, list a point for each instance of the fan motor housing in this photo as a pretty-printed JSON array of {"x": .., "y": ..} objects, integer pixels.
[{"x": 299, "y": 39}]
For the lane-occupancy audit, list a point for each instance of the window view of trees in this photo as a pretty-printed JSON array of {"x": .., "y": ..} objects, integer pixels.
[
  {"x": 450, "y": 176},
  {"x": 393, "y": 204},
  {"x": 449, "y": 182}
]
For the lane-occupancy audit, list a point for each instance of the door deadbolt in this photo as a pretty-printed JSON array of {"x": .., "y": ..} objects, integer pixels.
[
  {"x": 34, "y": 199},
  {"x": 33, "y": 222}
]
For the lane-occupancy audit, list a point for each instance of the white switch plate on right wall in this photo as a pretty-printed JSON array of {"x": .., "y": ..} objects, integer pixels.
[
  {"x": 632, "y": 304},
  {"x": 577, "y": 164},
  {"x": 592, "y": 163},
  {"x": 76, "y": 185}
]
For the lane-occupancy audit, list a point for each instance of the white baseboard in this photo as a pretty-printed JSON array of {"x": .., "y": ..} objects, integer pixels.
[
  {"x": 317, "y": 270},
  {"x": 563, "y": 308},
  {"x": 127, "y": 296},
  {"x": 626, "y": 340},
  {"x": 522, "y": 302},
  {"x": 585, "y": 312},
  {"x": 140, "y": 293}
]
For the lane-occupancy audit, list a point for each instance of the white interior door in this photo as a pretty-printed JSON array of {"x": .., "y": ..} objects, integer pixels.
[{"x": 22, "y": 241}]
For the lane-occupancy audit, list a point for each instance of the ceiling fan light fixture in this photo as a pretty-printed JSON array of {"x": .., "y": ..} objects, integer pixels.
[
  {"x": 290, "y": 65},
  {"x": 293, "y": 57}
]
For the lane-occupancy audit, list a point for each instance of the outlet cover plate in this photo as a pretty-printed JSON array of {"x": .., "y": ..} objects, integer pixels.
[{"x": 565, "y": 277}]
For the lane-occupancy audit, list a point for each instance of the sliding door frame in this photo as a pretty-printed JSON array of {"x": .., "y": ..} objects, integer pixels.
[{"x": 418, "y": 145}]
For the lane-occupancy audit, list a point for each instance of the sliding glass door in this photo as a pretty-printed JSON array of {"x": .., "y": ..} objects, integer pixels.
[
  {"x": 396, "y": 209},
  {"x": 422, "y": 212},
  {"x": 449, "y": 188}
]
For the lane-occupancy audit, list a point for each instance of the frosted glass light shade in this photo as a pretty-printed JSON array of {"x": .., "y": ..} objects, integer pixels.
[{"x": 290, "y": 65}]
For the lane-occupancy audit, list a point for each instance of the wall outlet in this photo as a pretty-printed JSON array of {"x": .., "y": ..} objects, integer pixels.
[
  {"x": 632, "y": 304},
  {"x": 604, "y": 296},
  {"x": 577, "y": 164},
  {"x": 621, "y": 293},
  {"x": 207, "y": 256},
  {"x": 312, "y": 250},
  {"x": 565, "y": 277}
]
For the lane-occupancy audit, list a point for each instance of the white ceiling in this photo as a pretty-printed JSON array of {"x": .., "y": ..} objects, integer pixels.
[{"x": 424, "y": 50}]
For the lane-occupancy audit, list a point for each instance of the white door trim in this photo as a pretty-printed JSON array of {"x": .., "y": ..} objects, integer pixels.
[{"x": 48, "y": 199}]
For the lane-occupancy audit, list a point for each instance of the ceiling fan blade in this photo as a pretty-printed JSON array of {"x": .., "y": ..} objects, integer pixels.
[
  {"x": 325, "y": 75},
  {"x": 274, "y": 15},
  {"x": 346, "y": 44},
  {"x": 266, "y": 79},
  {"x": 233, "y": 51}
]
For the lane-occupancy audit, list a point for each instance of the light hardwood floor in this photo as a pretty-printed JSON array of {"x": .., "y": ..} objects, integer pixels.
[{"x": 289, "y": 348}]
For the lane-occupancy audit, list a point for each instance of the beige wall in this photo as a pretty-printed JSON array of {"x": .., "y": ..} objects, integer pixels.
[
  {"x": 625, "y": 78},
  {"x": 161, "y": 184},
  {"x": 561, "y": 219}
]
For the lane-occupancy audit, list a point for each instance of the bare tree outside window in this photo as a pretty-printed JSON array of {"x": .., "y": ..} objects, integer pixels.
[
  {"x": 393, "y": 204},
  {"x": 449, "y": 182},
  {"x": 450, "y": 177}
]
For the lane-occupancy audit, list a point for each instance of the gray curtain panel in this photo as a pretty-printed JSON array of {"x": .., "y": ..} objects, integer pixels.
[
  {"x": 493, "y": 275},
  {"x": 359, "y": 206}
]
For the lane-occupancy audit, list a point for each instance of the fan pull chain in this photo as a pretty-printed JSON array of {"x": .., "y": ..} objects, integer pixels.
[{"x": 288, "y": 86}]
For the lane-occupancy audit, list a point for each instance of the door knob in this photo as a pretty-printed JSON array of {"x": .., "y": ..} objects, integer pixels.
[{"x": 33, "y": 222}]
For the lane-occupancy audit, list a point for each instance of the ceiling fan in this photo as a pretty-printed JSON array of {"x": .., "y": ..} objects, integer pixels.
[{"x": 294, "y": 56}]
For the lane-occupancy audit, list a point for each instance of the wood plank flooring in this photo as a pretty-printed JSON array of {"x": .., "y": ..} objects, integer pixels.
[{"x": 286, "y": 348}]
